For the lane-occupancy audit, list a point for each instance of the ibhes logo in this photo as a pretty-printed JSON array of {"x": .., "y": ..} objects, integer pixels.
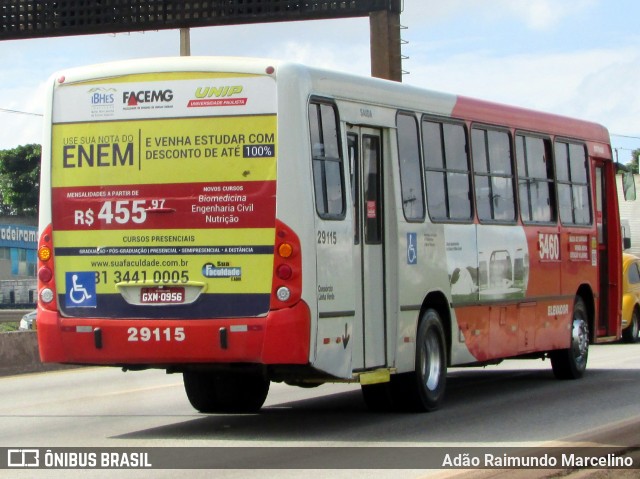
[
  {"x": 102, "y": 96},
  {"x": 133, "y": 98}
]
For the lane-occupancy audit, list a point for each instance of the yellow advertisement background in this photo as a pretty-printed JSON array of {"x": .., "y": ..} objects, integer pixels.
[
  {"x": 257, "y": 269},
  {"x": 151, "y": 137}
]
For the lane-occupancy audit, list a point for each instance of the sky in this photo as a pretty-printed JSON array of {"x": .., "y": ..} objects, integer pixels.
[{"x": 579, "y": 58}]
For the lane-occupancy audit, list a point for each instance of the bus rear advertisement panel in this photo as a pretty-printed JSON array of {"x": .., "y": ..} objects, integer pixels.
[{"x": 163, "y": 194}]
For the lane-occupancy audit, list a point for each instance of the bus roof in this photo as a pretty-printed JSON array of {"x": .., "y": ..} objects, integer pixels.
[
  {"x": 430, "y": 101},
  {"x": 525, "y": 119},
  {"x": 349, "y": 86}
]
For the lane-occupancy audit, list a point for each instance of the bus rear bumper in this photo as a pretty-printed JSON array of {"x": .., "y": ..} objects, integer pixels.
[{"x": 282, "y": 337}]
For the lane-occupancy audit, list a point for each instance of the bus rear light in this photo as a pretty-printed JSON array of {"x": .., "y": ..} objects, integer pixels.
[
  {"x": 283, "y": 294},
  {"x": 46, "y": 295},
  {"x": 45, "y": 274},
  {"x": 284, "y": 272},
  {"x": 44, "y": 253},
  {"x": 287, "y": 268},
  {"x": 285, "y": 250}
]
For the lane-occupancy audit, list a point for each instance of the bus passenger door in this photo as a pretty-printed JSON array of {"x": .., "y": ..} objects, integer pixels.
[
  {"x": 365, "y": 162},
  {"x": 609, "y": 251}
]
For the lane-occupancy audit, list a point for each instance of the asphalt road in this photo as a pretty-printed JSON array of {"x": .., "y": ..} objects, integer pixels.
[{"x": 517, "y": 404}]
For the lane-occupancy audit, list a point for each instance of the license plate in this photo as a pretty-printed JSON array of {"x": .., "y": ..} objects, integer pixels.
[{"x": 162, "y": 295}]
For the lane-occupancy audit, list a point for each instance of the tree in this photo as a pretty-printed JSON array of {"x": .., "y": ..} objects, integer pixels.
[
  {"x": 634, "y": 162},
  {"x": 20, "y": 180}
]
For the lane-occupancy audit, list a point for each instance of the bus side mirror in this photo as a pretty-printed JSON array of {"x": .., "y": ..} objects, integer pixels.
[{"x": 628, "y": 186}]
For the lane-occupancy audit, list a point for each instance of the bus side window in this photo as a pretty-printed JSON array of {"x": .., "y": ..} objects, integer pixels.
[
  {"x": 410, "y": 170},
  {"x": 446, "y": 170},
  {"x": 328, "y": 178},
  {"x": 493, "y": 175},
  {"x": 535, "y": 179},
  {"x": 573, "y": 183}
]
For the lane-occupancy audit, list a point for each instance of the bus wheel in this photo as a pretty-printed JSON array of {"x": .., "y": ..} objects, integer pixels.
[
  {"x": 571, "y": 363},
  {"x": 423, "y": 389},
  {"x": 211, "y": 392},
  {"x": 632, "y": 333}
]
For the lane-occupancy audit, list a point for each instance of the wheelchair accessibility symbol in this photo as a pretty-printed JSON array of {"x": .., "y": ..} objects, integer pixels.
[
  {"x": 81, "y": 290},
  {"x": 412, "y": 252}
]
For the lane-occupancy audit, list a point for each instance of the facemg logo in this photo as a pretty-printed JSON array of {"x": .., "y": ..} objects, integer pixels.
[{"x": 133, "y": 98}]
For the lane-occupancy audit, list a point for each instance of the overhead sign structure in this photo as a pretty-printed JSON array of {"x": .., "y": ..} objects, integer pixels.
[
  {"x": 48, "y": 18},
  {"x": 22, "y": 19}
]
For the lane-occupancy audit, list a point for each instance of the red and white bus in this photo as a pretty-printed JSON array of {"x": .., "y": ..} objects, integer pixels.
[{"x": 241, "y": 221}]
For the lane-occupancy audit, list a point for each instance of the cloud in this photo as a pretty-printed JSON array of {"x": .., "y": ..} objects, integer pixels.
[
  {"x": 20, "y": 129},
  {"x": 597, "y": 85},
  {"x": 353, "y": 58},
  {"x": 534, "y": 14},
  {"x": 544, "y": 14},
  {"x": 610, "y": 93}
]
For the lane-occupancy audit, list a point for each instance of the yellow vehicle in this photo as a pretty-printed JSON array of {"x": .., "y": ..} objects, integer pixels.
[{"x": 631, "y": 298}]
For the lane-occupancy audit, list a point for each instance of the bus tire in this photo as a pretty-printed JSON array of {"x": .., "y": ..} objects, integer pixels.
[
  {"x": 211, "y": 392},
  {"x": 423, "y": 389},
  {"x": 632, "y": 333},
  {"x": 571, "y": 363}
]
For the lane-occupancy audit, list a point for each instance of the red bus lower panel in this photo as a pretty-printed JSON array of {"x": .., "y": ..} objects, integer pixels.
[{"x": 282, "y": 337}]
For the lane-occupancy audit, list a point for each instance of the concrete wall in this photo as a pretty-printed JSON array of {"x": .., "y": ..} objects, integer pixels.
[
  {"x": 19, "y": 354},
  {"x": 18, "y": 292}
]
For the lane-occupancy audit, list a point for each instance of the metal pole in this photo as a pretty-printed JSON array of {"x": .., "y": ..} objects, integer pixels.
[
  {"x": 386, "y": 55},
  {"x": 185, "y": 42}
]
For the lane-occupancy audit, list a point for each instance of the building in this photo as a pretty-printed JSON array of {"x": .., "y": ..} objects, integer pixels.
[{"x": 18, "y": 247}]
